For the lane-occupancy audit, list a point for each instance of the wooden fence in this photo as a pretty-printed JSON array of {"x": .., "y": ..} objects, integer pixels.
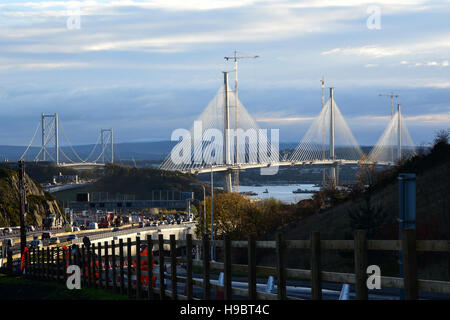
[{"x": 103, "y": 268}]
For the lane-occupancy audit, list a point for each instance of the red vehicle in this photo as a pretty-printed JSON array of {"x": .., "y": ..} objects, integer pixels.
[
  {"x": 144, "y": 267},
  {"x": 106, "y": 221}
]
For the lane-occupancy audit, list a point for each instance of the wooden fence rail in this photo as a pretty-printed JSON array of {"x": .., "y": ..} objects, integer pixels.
[{"x": 112, "y": 266}]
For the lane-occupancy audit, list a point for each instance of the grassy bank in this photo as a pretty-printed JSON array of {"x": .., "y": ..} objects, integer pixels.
[{"x": 19, "y": 288}]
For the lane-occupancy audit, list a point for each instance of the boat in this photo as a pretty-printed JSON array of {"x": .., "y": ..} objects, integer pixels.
[
  {"x": 266, "y": 191},
  {"x": 302, "y": 191}
]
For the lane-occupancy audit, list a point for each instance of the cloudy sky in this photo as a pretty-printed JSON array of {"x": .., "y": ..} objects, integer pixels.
[{"x": 146, "y": 68}]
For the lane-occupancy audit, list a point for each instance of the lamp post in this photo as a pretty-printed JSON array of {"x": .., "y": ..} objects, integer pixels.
[{"x": 204, "y": 205}]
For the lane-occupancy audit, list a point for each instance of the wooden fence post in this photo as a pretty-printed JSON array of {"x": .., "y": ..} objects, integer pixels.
[
  {"x": 189, "y": 286},
  {"x": 129, "y": 267},
  {"x": 252, "y": 267},
  {"x": 409, "y": 264},
  {"x": 227, "y": 268},
  {"x": 38, "y": 263},
  {"x": 64, "y": 265},
  {"x": 281, "y": 271},
  {"x": 94, "y": 266},
  {"x": 58, "y": 265},
  {"x": 106, "y": 265},
  {"x": 83, "y": 265},
  {"x": 361, "y": 265},
  {"x": 9, "y": 262},
  {"x": 316, "y": 279},
  {"x": 162, "y": 289},
  {"x": 34, "y": 263},
  {"x": 48, "y": 270},
  {"x": 100, "y": 264},
  {"x": 89, "y": 265},
  {"x": 122, "y": 273},
  {"x": 113, "y": 263},
  {"x": 138, "y": 268},
  {"x": 173, "y": 266},
  {"x": 150, "y": 292},
  {"x": 206, "y": 284}
]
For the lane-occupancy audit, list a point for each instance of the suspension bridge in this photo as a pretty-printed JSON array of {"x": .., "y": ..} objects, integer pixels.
[
  {"x": 213, "y": 144},
  {"x": 51, "y": 150}
]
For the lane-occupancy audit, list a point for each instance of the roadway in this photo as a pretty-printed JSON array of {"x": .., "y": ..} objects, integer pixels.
[{"x": 244, "y": 166}]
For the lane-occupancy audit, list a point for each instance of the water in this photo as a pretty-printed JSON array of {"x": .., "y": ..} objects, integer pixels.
[{"x": 281, "y": 192}]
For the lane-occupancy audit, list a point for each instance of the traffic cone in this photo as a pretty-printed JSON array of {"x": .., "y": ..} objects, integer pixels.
[{"x": 345, "y": 292}]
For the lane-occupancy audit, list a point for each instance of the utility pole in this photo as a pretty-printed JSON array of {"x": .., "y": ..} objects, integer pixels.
[
  {"x": 22, "y": 195},
  {"x": 391, "y": 95},
  {"x": 235, "y": 58}
]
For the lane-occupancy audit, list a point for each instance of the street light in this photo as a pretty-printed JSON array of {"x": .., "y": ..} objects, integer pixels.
[{"x": 204, "y": 204}]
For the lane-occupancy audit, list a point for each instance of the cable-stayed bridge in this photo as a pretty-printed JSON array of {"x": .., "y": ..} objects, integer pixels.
[
  {"x": 217, "y": 142},
  {"x": 50, "y": 146}
]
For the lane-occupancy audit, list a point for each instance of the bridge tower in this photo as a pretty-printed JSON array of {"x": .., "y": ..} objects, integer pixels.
[
  {"x": 334, "y": 168},
  {"x": 107, "y": 137},
  {"x": 226, "y": 136},
  {"x": 46, "y": 139}
]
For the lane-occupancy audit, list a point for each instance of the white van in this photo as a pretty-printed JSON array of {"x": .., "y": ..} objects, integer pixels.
[{"x": 92, "y": 225}]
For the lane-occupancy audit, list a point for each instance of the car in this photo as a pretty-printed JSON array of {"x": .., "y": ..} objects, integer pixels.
[
  {"x": 34, "y": 244},
  {"x": 76, "y": 229},
  {"x": 155, "y": 224},
  {"x": 72, "y": 237},
  {"x": 116, "y": 229},
  {"x": 46, "y": 235},
  {"x": 93, "y": 226},
  {"x": 141, "y": 224},
  {"x": 54, "y": 240}
]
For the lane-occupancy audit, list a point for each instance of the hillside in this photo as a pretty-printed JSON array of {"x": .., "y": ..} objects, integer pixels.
[
  {"x": 138, "y": 182},
  {"x": 432, "y": 210},
  {"x": 40, "y": 203}
]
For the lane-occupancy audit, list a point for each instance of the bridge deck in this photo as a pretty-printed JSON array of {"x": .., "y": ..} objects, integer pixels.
[{"x": 244, "y": 166}]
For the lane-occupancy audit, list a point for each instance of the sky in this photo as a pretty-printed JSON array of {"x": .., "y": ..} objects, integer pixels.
[{"x": 146, "y": 68}]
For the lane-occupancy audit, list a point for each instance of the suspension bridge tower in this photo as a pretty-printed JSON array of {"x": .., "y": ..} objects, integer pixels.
[
  {"x": 50, "y": 131},
  {"x": 107, "y": 136}
]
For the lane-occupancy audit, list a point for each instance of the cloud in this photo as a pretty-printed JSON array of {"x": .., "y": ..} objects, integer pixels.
[{"x": 379, "y": 51}]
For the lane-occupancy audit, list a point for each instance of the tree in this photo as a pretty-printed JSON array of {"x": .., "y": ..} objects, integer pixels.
[
  {"x": 368, "y": 216},
  {"x": 238, "y": 216}
]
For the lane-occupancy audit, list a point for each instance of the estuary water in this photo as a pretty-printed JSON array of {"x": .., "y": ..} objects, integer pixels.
[{"x": 281, "y": 192}]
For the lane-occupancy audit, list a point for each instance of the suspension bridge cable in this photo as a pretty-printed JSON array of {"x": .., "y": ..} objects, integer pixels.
[
  {"x": 70, "y": 144},
  {"x": 32, "y": 139}
]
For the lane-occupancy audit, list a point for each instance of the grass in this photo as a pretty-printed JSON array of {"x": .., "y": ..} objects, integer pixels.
[{"x": 20, "y": 288}]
